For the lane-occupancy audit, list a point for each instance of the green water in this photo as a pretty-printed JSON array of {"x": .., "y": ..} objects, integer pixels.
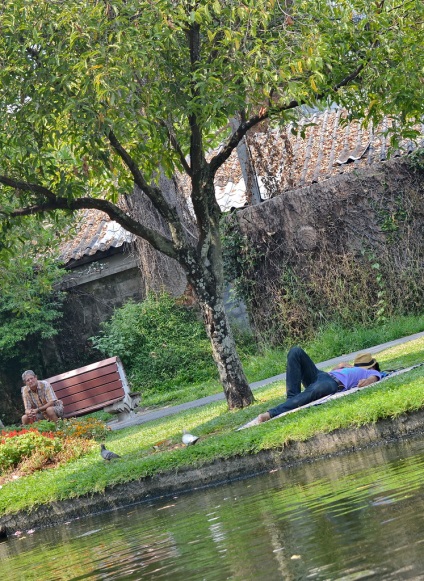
[{"x": 358, "y": 516}]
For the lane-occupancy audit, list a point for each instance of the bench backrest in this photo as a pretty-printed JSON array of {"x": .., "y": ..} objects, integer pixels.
[{"x": 90, "y": 388}]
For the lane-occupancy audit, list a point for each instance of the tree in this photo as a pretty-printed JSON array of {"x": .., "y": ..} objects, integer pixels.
[
  {"x": 95, "y": 97},
  {"x": 30, "y": 300},
  {"x": 30, "y": 306}
]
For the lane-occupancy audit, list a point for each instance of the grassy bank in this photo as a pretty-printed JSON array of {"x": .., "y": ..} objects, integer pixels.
[{"x": 155, "y": 448}]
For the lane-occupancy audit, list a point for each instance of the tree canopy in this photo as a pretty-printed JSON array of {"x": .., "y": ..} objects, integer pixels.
[
  {"x": 96, "y": 96},
  {"x": 82, "y": 84}
]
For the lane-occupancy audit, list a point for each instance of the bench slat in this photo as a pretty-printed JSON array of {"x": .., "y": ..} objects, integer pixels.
[
  {"x": 90, "y": 401},
  {"x": 111, "y": 392},
  {"x": 74, "y": 413},
  {"x": 69, "y": 382},
  {"x": 109, "y": 380},
  {"x": 99, "y": 365}
]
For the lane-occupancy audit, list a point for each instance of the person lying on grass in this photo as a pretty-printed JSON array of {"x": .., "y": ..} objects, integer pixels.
[
  {"x": 302, "y": 370},
  {"x": 40, "y": 401}
]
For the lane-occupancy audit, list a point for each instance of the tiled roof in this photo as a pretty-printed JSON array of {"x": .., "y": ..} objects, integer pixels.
[
  {"x": 330, "y": 147},
  {"x": 94, "y": 232}
]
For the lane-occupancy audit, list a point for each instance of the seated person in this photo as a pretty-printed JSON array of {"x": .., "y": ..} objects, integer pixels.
[
  {"x": 40, "y": 401},
  {"x": 302, "y": 370}
]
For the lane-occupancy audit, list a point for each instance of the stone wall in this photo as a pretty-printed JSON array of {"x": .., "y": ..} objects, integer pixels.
[
  {"x": 348, "y": 211},
  {"x": 362, "y": 232}
]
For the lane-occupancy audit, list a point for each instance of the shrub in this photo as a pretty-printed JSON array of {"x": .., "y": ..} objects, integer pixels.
[
  {"x": 28, "y": 450},
  {"x": 161, "y": 343},
  {"x": 71, "y": 449},
  {"x": 43, "y": 426},
  {"x": 16, "y": 446}
]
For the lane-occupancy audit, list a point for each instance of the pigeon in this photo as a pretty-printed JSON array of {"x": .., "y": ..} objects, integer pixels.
[
  {"x": 107, "y": 454},
  {"x": 189, "y": 439}
]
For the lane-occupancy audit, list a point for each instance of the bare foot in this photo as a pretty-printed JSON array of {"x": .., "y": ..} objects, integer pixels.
[{"x": 264, "y": 417}]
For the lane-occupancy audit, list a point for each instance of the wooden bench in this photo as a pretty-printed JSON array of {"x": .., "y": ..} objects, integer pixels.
[{"x": 101, "y": 385}]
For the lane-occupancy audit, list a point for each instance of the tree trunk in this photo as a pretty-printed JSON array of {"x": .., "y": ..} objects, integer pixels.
[
  {"x": 231, "y": 374},
  {"x": 205, "y": 272}
]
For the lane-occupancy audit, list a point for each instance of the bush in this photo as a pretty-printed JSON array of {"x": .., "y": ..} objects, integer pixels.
[
  {"x": 27, "y": 450},
  {"x": 90, "y": 427},
  {"x": 17, "y": 446},
  {"x": 161, "y": 343},
  {"x": 42, "y": 426}
]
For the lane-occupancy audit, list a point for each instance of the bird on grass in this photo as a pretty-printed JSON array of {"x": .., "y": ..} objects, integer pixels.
[
  {"x": 189, "y": 439},
  {"x": 107, "y": 454}
]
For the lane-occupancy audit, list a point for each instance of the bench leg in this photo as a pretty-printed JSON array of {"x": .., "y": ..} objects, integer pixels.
[{"x": 122, "y": 416}]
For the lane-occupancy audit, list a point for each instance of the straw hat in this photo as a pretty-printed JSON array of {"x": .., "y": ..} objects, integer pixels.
[{"x": 365, "y": 360}]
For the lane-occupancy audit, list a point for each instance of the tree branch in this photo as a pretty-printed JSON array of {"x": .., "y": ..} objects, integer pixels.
[
  {"x": 153, "y": 193},
  {"x": 351, "y": 76},
  {"x": 205, "y": 206},
  {"x": 157, "y": 240},
  {"x": 196, "y": 141},
  {"x": 27, "y": 187},
  {"x": 263, "y": 114},
  {"x": 238, "y": 135},
  {"x": 168, "y": 212},
  {"x": 176, "y": 146},
  {"x": 401, "y": 5}
]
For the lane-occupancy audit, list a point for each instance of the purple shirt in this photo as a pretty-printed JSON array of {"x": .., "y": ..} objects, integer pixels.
[{"x": 350, "y": 376}]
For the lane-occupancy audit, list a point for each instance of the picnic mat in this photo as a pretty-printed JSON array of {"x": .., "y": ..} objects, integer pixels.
[{"x": 326, "y": 398}]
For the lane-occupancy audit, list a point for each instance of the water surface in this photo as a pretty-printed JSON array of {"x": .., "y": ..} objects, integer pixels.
[{"x": 357, "y": 516}]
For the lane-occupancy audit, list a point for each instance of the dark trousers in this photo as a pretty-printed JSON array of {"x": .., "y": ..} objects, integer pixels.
[{"x": 301, "y": 370}]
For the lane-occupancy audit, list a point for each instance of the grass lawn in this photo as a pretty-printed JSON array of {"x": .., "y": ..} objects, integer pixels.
[
  {"x": 156, "y": 447},
  {"x": 331, "y": 342}
]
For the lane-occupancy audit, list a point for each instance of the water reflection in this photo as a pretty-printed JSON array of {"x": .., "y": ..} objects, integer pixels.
[{"x": 351, "y": 517}]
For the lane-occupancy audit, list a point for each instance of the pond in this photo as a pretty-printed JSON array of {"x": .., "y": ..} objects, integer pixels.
[{"x": 357, "y": 516}]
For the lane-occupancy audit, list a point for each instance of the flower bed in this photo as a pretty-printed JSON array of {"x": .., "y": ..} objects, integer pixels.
[
  {"x": 45, "y": 444},
  {"x": 16, "y": 447}
]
